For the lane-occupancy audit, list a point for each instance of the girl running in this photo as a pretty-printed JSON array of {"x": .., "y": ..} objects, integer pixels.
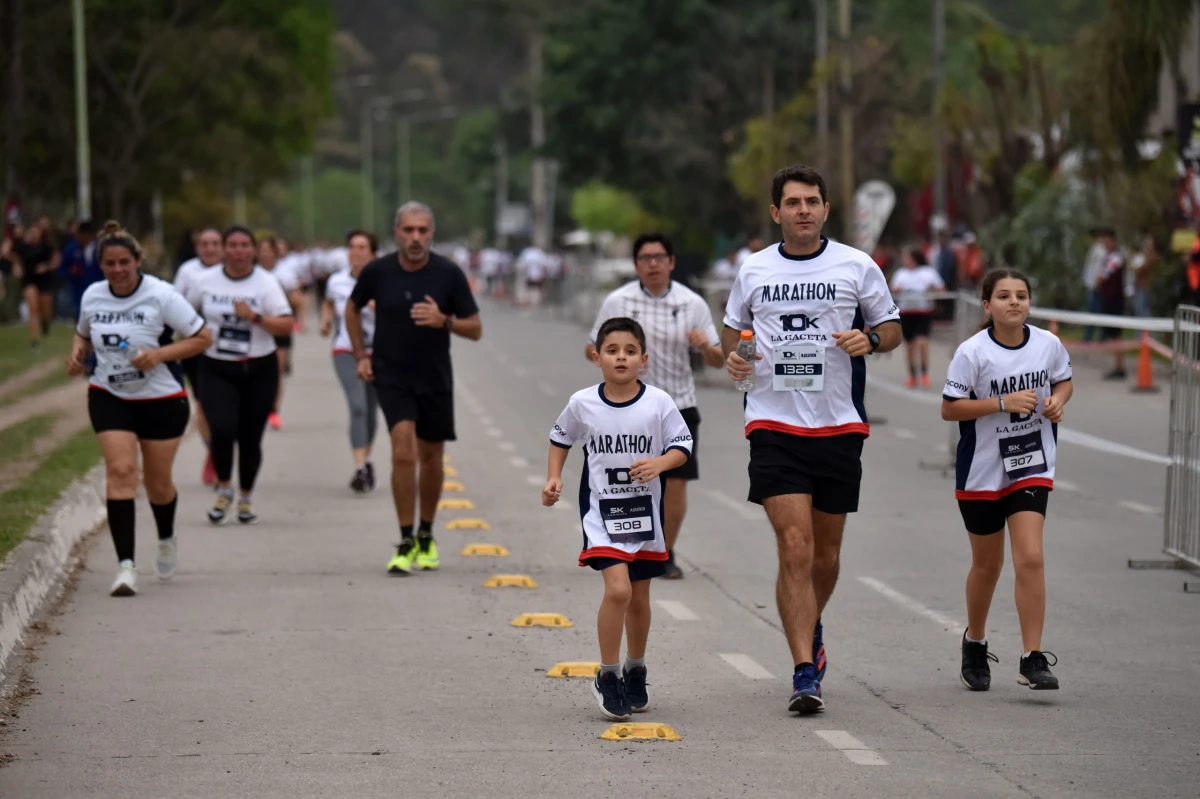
[
  {"x": 239, "y": 374},
  {"x": 360, "y": 395},
  {"x": 1006, "y": 387},
  {"x": 209, "y": 252},
  {"x": 912, "y": 280},
  {"x": 38, "y": 257},
  {"x": 268, "y": 259},
  {"x": 133, "y": 399}
]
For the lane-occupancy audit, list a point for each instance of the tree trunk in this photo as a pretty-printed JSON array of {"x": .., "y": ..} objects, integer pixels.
[{"x": 14, "y": 113}]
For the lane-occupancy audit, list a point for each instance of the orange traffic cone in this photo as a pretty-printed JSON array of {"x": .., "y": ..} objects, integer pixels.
[{"x": 1145, "y": 369}]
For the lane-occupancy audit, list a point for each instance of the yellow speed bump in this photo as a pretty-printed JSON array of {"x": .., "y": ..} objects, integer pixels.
[
  {"x": 456, "y": 504},
  {"x": 468, "y": 524},
  {"x": 510, "y": 581},
  {"x": 453, "y": 485},
  {"x": 494, "y": 550},
  {"x": 541, "y": 620},
  {"x": 641, "y": 732},
  {"x": 588, "y": 670},
  {"x": 450, "y": 471}
]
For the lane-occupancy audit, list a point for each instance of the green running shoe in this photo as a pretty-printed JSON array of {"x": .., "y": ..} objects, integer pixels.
[
  {"x": 402, "y": 561},
  {"x": 427, "y": 554}
]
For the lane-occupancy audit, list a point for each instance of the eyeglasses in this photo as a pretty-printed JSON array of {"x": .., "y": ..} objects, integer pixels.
[{"x": 653, "y": 258}]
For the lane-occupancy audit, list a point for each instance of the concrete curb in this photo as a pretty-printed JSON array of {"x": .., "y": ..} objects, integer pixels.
[{"x": 32, "y": 575}]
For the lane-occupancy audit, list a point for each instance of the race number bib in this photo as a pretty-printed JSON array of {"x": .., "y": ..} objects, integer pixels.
[
  {"x": 124, "y": 377},
  {"x": 799, "y": 367},
  {"x": 628, "y": 520},
  {"x": 1022, "y": 456},
  {"x": 233, "y": 338}
]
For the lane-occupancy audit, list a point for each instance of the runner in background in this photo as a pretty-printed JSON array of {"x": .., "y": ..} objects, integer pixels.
[
  {"x": 239, "y": 374},
  {"x": 209, "y": 252},
  {"x": 268, "y": 259},
  {"x": 38, "y": 256},
  {"x": 361, "y": 398},
  {"x": 913, "y": 279},
  {"x": 1110, "y": 289},
  {"x": 134, "y": 401},
  {"x": 1006, "y": 387}
]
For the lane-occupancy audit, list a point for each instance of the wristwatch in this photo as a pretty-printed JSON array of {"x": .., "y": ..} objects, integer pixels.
[
  {"x": 258, "y": 319},
  {"x": 449, "y": 326},
  {"x": 873, "y": 337}
]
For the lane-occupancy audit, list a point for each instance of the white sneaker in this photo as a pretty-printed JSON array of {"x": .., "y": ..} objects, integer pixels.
[
  {"x": 126, "y": 582},
  {"x": 164, "y": 564}
]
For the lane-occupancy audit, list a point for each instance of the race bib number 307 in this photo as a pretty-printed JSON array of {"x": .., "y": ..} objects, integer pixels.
[
  {"x": 1022, "y": 456},
  {"x": 799, "y": 367}
]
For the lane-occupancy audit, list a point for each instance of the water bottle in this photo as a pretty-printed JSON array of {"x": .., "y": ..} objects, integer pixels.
[{"x": 746, "y": 350}]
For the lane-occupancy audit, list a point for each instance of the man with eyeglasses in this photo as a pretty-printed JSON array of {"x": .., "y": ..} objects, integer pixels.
[{"x": 675, "y": 319}]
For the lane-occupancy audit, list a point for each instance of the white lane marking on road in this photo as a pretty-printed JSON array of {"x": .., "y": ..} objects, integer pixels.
[
  {"x": 507, "y": 446},
  {"x": 740, "y": 508},
  {"x": 1067, "y": 434},
  {"x": 1137, "y": 507},
  {"x": 534, "y": 480},
  {"x": 748, "y": 666},
  {"x": 494, "y": 432},
  {"x": 485, "y": 420},
  {"x": 519, "y": 462},
  {"x": 520, "y": 371},
  {"x": 855, "y": 750},
  {"x": 1065, "y": 485},
  {"x": 547, "y": 389},
  {"x": 912, "y": 604},
  {"x": 677, "y": 609},
  {"x": 907, "y": 435}
]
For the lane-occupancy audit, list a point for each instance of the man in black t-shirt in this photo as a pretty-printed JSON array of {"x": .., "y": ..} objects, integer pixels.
[{"x": 420, "y": 299}]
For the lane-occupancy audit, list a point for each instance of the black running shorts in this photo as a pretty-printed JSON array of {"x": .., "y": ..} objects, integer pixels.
[
  {"x": 691, "y": 469},
  {"x": 150, "y": 420},
  {"x": 915, "y": 326},
  {"x": 988, "y": 516},
  {"x": 191, "y": 370},
  {"x": 829, "y": 468},
  {"x": 638, "y": 570},
  {"x": 433, "y": 413}
]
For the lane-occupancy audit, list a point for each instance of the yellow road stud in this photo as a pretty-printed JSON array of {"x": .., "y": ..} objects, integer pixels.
[
  {"x": 453, "y": 485},
  {"x": 588, "y": 670},
  {"x": 510, "y": 581},
  {"x": 456, "y": 504},
  {"x": 494, "y": 550},
  {"x": 468, "y": 524},
  {"x": 450, "y": 471},
  {"x": 641, "y": 732},
  {"x": 445, "y": 458},
  {"x": 541, "y": 620}
]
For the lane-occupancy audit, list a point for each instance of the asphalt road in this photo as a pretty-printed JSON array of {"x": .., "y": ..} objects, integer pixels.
[{"x": 283, "y": 662}]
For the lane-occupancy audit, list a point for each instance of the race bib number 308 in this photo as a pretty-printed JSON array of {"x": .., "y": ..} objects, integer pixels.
[
  {"x": 799, "y": 367},
  {"x": 628, "y": 520}
]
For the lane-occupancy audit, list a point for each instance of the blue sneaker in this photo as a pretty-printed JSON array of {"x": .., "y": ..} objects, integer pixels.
[
  {"x": 818, "y": 651},
  {"x": 806, "y": 693},
  {"x": 609, "y": 691}
]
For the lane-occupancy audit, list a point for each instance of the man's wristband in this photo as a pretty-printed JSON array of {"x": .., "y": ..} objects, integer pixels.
[
  {"x": 1000, "y": 398},
  {"x": 449, "y": 325}
]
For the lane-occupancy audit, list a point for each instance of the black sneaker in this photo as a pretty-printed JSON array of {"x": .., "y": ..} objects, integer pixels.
[
  {"x": 246, "y": 513},
  {"x": 610, "y": 696},
  {"x": 370, "y": 467},
  {"x": 1035, "y": 672},
  {"x": 635, "y": 689},
  {"x": 673, "y": 572},
  {"x": 358, "y": 484},
  {"x": 976, "y": 674}
]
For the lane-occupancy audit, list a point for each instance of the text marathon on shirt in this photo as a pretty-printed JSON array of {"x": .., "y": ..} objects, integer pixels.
[
  {"x": 117, "y": 318},
  {"x": 232, "y": 299},
  {"x": 1021, "y": 382}
]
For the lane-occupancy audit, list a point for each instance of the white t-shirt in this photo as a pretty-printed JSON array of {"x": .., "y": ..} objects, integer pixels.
[
  {"x": 805, "y": 385},
  {"x": 120, "y": 327},
  {"x": 491, "y": 262},
  {"x": 667, "y": 320},
  {"x": 234, "y": 338},
  {"x": 285, "y": 275},
  {"x": 1004, "y": 452},
  {"x": 621, "y": 518},
  {"x": 337, "y": 291},
  {"x": 909, "y": 284},
  {"x": 187, "y": 274}
]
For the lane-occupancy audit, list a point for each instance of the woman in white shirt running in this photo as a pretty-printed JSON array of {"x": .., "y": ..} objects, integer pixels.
[
  {"x": 134, "y": 400},
  {"x": 1006, "y": 386},
  {"x": 914, "y": 279},
  {"x": 360, "y": 395},
  {"x": 239, "y": 374}
]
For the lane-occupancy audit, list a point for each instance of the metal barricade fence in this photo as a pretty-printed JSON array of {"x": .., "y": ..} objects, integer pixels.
[{"x": 1181, "y": 519}]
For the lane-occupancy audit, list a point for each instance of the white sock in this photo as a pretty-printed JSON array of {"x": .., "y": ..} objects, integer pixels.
[
  {"x": 1027, "y": 654},
  {"x": 973, "y": 641}
]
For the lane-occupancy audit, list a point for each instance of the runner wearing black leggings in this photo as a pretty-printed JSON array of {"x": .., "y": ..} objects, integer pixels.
[{"x": 246, "y": 309}]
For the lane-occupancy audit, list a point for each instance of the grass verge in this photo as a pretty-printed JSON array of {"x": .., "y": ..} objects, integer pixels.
[
  {"x": 17, "y": 441},
  {"x": 58, "y": 377},
  {"x": 25, "y": 502},
  {"x": 16, "y": 356}
]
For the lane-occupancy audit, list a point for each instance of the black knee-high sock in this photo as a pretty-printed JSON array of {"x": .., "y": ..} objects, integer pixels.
[
  {"x": 164, "y": 517},
  {"x": 120, "y": 521}
]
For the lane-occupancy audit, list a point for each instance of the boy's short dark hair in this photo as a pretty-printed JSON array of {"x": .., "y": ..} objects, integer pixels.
[
  {"x": 621, "y": 324},
  {"x": 650, "y": 238},
  {"x": 798, "y": 173}
]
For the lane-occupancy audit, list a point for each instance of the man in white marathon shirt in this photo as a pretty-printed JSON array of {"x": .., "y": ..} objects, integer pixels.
[
  {"x": 675, "y": 320},
  {"x": 209, "y": 252},
  {"x": 806, "y": 302}
]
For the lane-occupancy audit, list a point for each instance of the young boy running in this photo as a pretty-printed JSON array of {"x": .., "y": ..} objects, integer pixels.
[{"x": 631, "y": 434}]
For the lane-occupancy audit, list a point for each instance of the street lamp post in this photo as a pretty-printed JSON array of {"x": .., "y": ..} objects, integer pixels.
[
  {"x": 83, "y": 146},
  {"x": 367, "y": 145}
]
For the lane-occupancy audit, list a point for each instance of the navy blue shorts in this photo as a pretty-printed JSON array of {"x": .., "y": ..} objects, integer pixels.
[{"x": 638, "y": 570}]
